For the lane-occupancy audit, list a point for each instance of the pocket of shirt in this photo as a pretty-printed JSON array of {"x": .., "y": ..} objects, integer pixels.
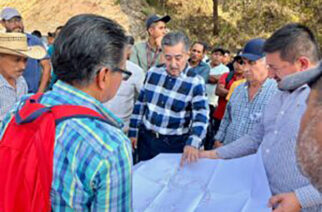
[{"x": 255, "y": 117}]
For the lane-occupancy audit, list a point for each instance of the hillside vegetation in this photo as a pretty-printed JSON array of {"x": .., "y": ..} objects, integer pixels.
[{"x": 239, "y": 20}]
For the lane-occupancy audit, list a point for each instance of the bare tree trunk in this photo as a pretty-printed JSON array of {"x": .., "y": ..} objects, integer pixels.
[{"x": 215, "y": 18}]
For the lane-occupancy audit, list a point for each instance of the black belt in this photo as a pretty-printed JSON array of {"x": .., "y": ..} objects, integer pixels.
[{"x": 158, "y": 135}]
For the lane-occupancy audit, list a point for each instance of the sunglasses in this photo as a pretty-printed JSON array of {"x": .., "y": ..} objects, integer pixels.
[{"x": 125, "y": 74}]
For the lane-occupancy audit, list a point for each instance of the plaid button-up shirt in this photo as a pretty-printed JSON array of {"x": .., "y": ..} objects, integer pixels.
[
  {"x": 92, "y": 159},
  {"x": 241, "y": 114},
  {"x": 172, "y": 105},
  {"x": 10, "y": 95}
]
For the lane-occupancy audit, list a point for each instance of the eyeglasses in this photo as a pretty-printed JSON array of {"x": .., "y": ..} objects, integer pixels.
[
  {"x": 125, "y": 74},
  {"x": 14, "y": 20}
]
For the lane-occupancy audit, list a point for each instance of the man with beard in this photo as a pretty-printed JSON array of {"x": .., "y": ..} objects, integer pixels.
[
  {"x": 197, "y": 53},
  {"x": 37, "y": 72},
  {"x": 291, "y": 49},
  {"x": 309, "y": 142},
  {"x": 171, "y": 113}
]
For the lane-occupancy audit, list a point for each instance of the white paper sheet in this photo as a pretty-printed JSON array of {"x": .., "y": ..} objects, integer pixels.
[{"x": 238, "y": 185}]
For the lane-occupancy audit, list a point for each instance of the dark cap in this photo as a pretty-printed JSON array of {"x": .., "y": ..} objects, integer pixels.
[
  {"x": 253, "y": 49},
  {"x": 298, "y": 79},
  {"x": 154, "y": 18}
]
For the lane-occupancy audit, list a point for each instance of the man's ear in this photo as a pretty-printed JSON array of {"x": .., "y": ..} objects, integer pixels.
[
  {"x": 101, "y": 78},
  {"x": 3, "y": 24},
  {"x": 303, "y": 62}
]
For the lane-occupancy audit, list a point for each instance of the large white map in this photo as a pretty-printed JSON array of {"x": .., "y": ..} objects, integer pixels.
[{"x": 238, "y": 185}]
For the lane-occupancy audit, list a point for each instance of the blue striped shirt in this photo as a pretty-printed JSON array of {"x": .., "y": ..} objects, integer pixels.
[
  {"x": 10, "y": 95},
  {"x": 172, "y": 105},
  {"x": 241, "y": 114},
  {"x": 276, "y": 133},
  {"x": 92, "y": 159}
]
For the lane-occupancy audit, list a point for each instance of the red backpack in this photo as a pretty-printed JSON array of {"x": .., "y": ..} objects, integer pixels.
[{"x": 26, "y": 154}]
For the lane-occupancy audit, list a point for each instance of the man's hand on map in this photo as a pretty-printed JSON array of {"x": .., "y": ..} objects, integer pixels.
[
  {"x": 211, "y": 154},
  {"x": 190, "y": 154},
  {"x": 285, "y": 202}
]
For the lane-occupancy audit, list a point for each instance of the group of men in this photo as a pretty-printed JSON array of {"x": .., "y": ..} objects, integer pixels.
[{"x": 93, "y": 160}]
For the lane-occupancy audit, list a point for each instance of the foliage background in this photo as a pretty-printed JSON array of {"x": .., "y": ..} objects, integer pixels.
[{"x": 238, "y": 20}]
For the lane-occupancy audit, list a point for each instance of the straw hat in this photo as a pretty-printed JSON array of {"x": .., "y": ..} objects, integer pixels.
[{"x": 16, "y": 44}]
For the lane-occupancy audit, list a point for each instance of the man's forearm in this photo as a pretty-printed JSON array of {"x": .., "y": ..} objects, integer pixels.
[
  {"x": 213, "y": 79},
  {"x": 241, "y": 147},
  {"x": 221, "y": 91},
  {"x": 46, "y": 69}
]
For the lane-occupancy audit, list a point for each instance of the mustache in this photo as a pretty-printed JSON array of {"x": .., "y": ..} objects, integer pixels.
[{"x": 173, "y": 68}]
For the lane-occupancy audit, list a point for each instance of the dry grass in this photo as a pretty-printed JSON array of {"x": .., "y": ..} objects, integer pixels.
[{"x": 46, "y": 15}]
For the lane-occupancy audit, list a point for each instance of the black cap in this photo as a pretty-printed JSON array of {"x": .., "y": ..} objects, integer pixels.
[
  {"x": 154, "y": 18},
  {"x": 298, "y": 79}
]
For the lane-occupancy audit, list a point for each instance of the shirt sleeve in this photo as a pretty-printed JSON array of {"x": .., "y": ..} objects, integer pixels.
[
  {"x": 139, "y": 79},
  {"x": 137, "y": 114},
  {"x": 308, "y": 196},
  {"x": 200, "y": 113},
  {"x": 134, "y": 55},
  {"x": 245, "y": 145},
  {"x": 205, "y": 73},
  {"x": 112, "y": 185},
  {"x": 222, "y": 79},
  {"x": 221, "y": 134}
]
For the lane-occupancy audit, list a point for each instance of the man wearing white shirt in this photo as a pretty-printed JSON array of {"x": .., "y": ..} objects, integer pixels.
[
  {"x": 123, "y": 102},
  {"x": 217, "y": 68}
]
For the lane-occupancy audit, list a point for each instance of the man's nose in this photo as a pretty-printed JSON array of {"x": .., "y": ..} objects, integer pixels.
[{"x": 22, "y": 64}]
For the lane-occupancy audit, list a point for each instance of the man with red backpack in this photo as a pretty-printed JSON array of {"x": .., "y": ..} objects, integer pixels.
[{"x": 65, "y": 143}]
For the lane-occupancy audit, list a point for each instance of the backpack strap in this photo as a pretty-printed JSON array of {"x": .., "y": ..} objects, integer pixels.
[
  {"x": 32, "y": 109},
  {"x": 63, "y": 112}
]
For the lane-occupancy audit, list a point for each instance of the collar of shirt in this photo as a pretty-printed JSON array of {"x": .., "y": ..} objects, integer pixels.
[
  {"x": 77, "y": 97},
  {"x": 217, "y": 66},
  {"x": 4, "y": 82},
  {"x": 264, "y": 84},
  {"x": 182, "y": 73},
  {"x": 149, "y": 47}
]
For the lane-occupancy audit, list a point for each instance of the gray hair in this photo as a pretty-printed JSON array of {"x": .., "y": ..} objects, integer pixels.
[
  {"x": 173, "y": 38},
  {"x": 85, "y": 44}
]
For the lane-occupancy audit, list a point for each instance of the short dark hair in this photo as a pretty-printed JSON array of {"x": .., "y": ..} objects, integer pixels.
[
  {"x": 218, "y": 49},
  {"x": 51, "y": 34},
  {"x": 59, "y": 28},
  {"x": 204, "y": 45},
  {"x": 130, "y": 40},
  {"x": 85, "y": 44},
  {"x": 173, "y": 38},
  {"x": 37, "y": 33},
  {"x": 293, "y": 40}
]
